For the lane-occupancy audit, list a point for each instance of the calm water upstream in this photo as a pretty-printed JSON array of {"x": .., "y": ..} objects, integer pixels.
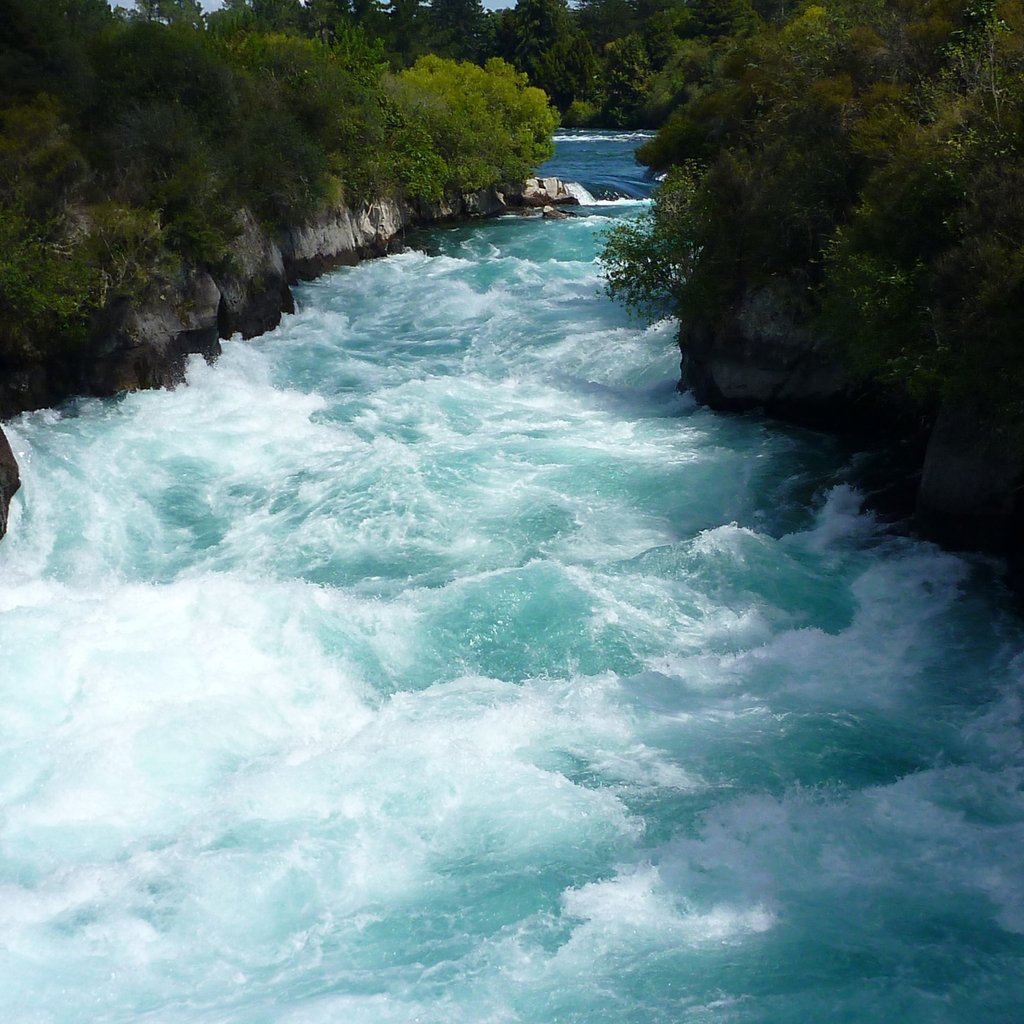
[{"x": 430, "y": 659}]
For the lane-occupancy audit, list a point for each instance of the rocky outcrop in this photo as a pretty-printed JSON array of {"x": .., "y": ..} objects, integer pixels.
[
  {"x": 254, "y": 292},
  {"x": 541, "y": 192},
  {"x": 148, "y": 345},
  {"x": 961, "y": 477},
  {"x": 344, "y": 237},
  {"x": 761, "y": 354},
  {"x": 132, "y": 345},
  {"x": 488, "y": 202},
  {"x": 10, "y": 480},
  {"x": 972, "y": 483}
]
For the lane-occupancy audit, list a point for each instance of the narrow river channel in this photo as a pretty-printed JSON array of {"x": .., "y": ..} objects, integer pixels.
[{"x": 432, "y": 660}]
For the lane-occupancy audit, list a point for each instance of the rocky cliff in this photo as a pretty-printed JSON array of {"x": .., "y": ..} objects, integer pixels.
[
  {"x": 972, "y": 482},
  {"x": 147, "y": 344},
  {"x": 764, "y": 355},
  {"x": 10, "y": 481}
]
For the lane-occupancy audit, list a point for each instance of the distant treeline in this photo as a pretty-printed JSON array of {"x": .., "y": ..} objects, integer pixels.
[
  {"x": 866, "y": 159},
  {"x": 609, "y": 63},
  {"x": 131, "y": 141}
]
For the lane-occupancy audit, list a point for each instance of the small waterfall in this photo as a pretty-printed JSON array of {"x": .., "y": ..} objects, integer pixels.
[{"x": 575, "y": 189}]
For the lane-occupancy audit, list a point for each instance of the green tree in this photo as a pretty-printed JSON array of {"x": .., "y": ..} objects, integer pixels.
[
  {"x": 187, "y": 13},
  {"x": 627, "y": 78},
  {"x": 605, "y": 20},
  {"x": 458, "y": 28},
  {"x": 406, "y": 29},
  {"x": 539, "y": 38},
  {"x": 327, "y": 19},
  {"x": 488, "y": 124}
]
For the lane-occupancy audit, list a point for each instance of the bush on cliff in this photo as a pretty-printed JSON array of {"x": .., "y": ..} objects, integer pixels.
[
  {"x": 128, "y": 143},
  {"x": 871, "y": 155}
]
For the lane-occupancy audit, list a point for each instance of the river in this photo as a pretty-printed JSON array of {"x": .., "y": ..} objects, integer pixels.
[{"x": 431, "y": 659}]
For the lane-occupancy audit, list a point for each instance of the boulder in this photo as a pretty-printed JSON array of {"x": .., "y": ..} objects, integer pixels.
[
  {"x": 546, "y": 192},
  {"x": 10, "y": 480},
  {"x": 487, "y": 202},
  {"x": 972, "y": 483}
]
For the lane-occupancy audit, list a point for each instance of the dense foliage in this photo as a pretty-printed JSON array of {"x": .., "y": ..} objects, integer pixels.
[
  {"x": 618, "y": 63},
  {"x": 130, "y": 141},
  {"x": 870, "y": 155}
]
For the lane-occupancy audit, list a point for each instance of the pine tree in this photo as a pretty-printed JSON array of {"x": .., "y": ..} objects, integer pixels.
[
  {"x": 172, "y": 12},
  {"x": 458, "y": 28},
  {"x": 540, "y": 38}
]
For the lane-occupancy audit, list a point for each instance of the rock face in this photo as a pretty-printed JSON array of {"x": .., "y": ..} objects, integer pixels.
[
  {"x": 488, "y": 202},
  {"x": 546, "y": 192},
  {"x": 132, "y": 345},
  {"x": 146, "y": 345},
  {"x": 255, "y": 293},
  {"x": 10, "y": 481},
  {"x": 761, "y": 355},
  {"x": 343, "y": 237},
  {"x": 972, "y": 483}
]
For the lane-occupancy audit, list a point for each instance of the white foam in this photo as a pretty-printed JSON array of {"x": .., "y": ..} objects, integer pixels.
[
  {"x": 607, "y": 136},
  {"x": 328, "y": 685},
  {"x": 636, "y": 909},
  {"x": 577, "y": 191},
  {"x": 624, "y": 201}
]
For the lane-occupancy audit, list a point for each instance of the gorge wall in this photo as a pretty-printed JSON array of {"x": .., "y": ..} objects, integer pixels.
[
  {"x": 763, "y": 355},
  {"x": 147, "y": 344},
  {"x": 9, "y": 480}
]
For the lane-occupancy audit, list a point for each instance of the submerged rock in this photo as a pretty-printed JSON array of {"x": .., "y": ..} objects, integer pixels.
[{"x": 10, "y": 480}]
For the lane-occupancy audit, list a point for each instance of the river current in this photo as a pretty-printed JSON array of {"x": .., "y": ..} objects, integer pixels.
[{"x": 431, "y": 659}]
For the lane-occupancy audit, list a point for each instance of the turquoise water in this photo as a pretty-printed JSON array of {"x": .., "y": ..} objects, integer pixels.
[{"x": 430, "y": 659}]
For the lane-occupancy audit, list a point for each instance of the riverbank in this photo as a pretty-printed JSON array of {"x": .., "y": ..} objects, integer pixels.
[
  {"x": 962, "y": 483},
  {"x": 146, "y": 344}
]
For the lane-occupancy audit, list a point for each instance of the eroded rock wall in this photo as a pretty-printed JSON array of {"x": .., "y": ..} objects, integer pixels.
[
  {"x": 761, "y": 355},
  {"x": 147, "y": 344},
  {"x": 972, "y": 482},
  {"x": 764, "y": 355},
  {"x": 10, "y": 480}
]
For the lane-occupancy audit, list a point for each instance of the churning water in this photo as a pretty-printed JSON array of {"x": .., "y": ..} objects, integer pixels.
[{"x": 430, "y": 659}]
